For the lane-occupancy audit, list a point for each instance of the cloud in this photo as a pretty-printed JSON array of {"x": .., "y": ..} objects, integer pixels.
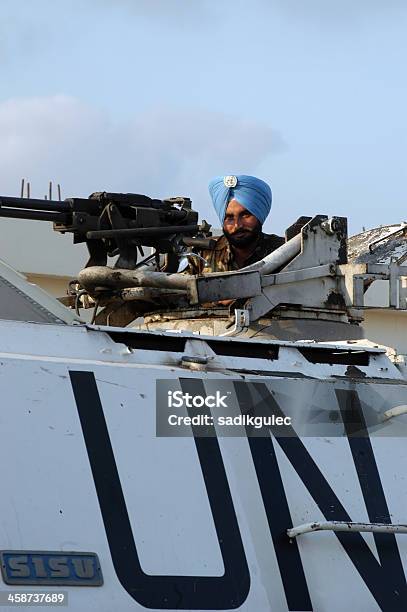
[{"x": 161, "y": 152}]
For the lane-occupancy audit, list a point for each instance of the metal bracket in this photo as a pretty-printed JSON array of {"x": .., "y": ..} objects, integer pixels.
[
  {"x": 242, "y": 322},
  {"x": 358, "y": 277}
]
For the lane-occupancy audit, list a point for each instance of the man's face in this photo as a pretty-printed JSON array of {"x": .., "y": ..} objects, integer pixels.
[{"x": 240, "y": 227}]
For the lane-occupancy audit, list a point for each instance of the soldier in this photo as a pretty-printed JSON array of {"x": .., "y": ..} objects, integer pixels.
[{"x": 242, "y": 204}]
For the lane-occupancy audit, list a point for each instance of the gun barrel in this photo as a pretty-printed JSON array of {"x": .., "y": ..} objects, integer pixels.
[
  {"x": 34, "y": 215},
  {"x": 33, "y": 204},
  {"x": 142, "y": 231}
]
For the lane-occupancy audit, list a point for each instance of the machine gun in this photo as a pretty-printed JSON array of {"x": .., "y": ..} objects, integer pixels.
[{"x": 119, "y": 224}]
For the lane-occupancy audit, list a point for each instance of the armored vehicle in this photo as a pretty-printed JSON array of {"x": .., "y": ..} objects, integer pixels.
[{"x": 229, "y": 441}]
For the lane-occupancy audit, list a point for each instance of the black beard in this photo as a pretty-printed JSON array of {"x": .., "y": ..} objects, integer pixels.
[{"x": 244, "y": 238}]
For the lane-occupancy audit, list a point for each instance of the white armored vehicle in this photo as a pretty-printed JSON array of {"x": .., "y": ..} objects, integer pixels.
[{"x": 180, "y": 454}]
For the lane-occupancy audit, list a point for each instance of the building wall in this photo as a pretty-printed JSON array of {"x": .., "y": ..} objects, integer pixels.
[
  {"x": 52, "y": 284},
  {"x": 388, "y": 327}
]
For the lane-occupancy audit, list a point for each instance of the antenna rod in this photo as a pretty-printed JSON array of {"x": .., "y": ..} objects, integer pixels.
[
  {"x": 28, "y": 190},
  {"x": 22, "y": 187},
  {"x": 50, "y": 190}
]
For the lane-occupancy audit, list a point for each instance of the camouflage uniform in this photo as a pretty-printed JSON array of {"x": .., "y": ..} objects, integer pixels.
[{"x": 221, "y": 259}]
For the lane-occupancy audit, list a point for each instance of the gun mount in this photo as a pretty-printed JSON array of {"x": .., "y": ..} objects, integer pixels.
[{"x": 306, "y": 289}]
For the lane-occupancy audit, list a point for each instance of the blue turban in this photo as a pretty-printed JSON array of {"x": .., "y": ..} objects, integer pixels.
[{"x": 251, "y": 192}]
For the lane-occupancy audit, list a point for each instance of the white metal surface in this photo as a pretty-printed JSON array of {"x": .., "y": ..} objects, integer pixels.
[
  {"x": 50, "y": 499},
  {"x": 42, "y": 305},
  {"x": 345, "y": 527},
  {"x": 277, "y": 258},
  {"x": 394, "y": 412}
]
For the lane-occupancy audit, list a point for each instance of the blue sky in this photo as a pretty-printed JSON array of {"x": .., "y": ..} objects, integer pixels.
[{"x": 157, "y": 96}]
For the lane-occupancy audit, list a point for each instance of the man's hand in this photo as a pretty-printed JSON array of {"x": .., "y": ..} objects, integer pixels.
[{"x": 226, "y": 302}]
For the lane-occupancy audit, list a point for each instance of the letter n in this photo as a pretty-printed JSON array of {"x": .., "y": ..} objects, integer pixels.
[{"x": 385, "y": 580}]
